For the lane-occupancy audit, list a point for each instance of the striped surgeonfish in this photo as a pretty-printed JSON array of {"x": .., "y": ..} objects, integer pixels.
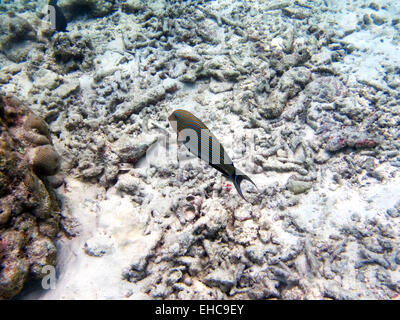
[{"x": 202, "y": 143}]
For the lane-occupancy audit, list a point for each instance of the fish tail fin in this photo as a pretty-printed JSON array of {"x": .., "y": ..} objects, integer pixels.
[{"x": 237, "y": 178}]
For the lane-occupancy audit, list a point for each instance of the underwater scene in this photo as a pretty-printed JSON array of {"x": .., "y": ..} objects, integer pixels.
[{"x": 200, "y": 150}]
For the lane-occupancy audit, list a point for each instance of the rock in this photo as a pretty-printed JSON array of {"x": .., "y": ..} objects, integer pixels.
[
  {"x": 325, "y": 89},
  {"x": 367, "y": 19},
  {"x": 47, "y": 80},
  {"x": 296, "y": 75},
  {"x": 67, "y": 89},
  {"x": 57, "y": 180},
  {"x": 255, "y": 253},
  {"x": 4, "y": 78},
  {"x": 378, "y": 19},
  {"x": 98, "y": 246},
  {"x": 283, "y": 62},
  {"x": 218, "y": 87},
  {"x": 337, "y": 292},
  {"x": 374, "y": 6},
  {"x": 188, "y": 53},
  {"x": 231, "y": 75},
  {"x": 350, "y": 138},
  {"x": 131, "y": 150},
  {"x": 12, "y": 277},
  {"x": 132, "y": 6},
  {"x": 215, "y": 220},
  {"x": 189, "y": 77},
  {"x": 137, "y": 270},
  {"x": 278, "y": 166},
  {"x": 128, "y": 184},
  {"x": 322, "y": 157},
  {"x": 298, "y": 187},
  {"x": 224, "y": 279},
  {"x": 274, "y": 105},
  {"x": 14, "y": 30},
  {"x": 174, "y": 276},
  {"x": 243, "y": 213},
  {"x": 246, "y": 232},
  {"x": 42, "y": 252},
  {"x": 193, "y": 264},
  {"x": 72, "y": 51},
  {"x": 296, "y": 13},
  {"x": 393, "y": 81},
  {"x": 395, "y": 211},
  {"x": 313, "y": 262},
  {"x": 149, "y": 97}
]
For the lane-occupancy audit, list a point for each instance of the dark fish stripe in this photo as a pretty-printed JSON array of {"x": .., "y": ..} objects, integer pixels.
[
  {"x": 189, "y": 115},
  {"x": 180, "y": 113},
  {"x": 205, "y": 150},
  {"x": 210, "y": 148},
  {"x": 189, "y": 126},
  {"x": 188, "y": 123},
  {"x": 192, "y": 119},
  {"x": 193, "y": 122}
]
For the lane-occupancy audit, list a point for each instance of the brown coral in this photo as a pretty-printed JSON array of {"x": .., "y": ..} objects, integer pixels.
[
  {"x": 29, "y": 210},
  {"x": 44, "y": 160},
  {"x": 34, "y": 134}
]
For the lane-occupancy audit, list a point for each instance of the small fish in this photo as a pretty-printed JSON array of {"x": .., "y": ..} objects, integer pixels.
[
  {"x": 202, "y": 143},
  {"x": 60, "y": 20}
]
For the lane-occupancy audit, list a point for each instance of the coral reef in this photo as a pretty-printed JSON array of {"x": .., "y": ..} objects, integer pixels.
[
  {"x": 14, "y": 31},
  {"x": 72, "y": 51},
  {"x": 29, "y": 209}
]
